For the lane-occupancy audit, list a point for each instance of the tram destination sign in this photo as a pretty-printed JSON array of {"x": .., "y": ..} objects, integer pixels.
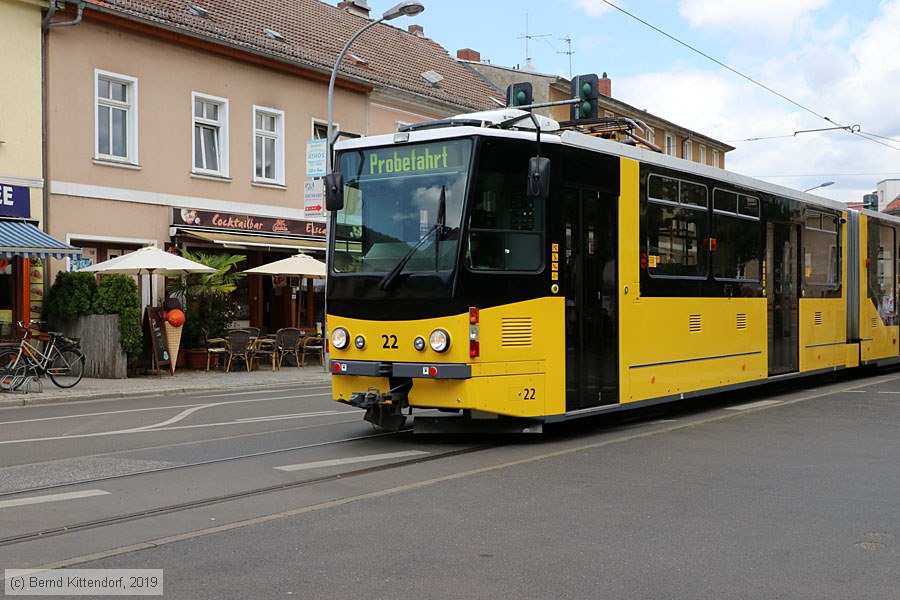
[{"x": 416, "y": 159}]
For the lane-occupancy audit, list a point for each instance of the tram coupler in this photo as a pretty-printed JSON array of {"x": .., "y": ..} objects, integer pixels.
[{"x": 384, "y": 410}]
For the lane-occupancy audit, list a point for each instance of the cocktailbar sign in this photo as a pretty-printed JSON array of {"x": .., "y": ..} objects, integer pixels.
[{"x": 237, "y": 223}]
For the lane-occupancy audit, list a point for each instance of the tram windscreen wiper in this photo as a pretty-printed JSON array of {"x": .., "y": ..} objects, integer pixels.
[{"x": 388, "y": 282}]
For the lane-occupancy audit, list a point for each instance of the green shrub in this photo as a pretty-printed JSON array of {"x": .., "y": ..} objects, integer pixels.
[
  {"x": 71, "y": 295},
  {"x": 118, "y": 295}
]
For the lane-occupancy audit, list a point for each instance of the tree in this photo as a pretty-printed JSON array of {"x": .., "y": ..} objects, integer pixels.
[{"x": 206, "y": 296}]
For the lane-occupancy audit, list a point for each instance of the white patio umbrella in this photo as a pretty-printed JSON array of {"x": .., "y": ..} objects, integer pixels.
[
  {"x": 149, "y": 260},
  {"x": 298, "y": 265},
  {"x": 302, "y": 265}
]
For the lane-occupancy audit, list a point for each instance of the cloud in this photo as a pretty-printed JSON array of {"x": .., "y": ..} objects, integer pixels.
[{"x": 774, "y": 20}]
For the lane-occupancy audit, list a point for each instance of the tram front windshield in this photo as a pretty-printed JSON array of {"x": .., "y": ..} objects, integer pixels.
[{"x": 403, "y": 207}]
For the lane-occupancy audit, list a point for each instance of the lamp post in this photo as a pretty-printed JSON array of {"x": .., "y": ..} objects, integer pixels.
[
  {"x": 821, "y": 185},
  {"x": 406, "y": 8}
]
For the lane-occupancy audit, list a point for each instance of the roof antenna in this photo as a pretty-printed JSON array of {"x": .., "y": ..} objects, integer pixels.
[
  {"x": 528, "y": 37},
  {"x": 570, "y": 52}
]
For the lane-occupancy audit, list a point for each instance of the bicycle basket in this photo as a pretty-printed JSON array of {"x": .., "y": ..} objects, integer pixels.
[{"x": 67, "y": 342}]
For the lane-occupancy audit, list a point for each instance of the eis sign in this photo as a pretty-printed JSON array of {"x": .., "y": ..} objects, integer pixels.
[{"x": 15, "y": 201}]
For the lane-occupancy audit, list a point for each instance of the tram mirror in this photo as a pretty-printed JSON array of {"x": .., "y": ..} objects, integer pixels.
[
  {"x": 538, "y": 178},
  {"x": 334, "y": 191}
]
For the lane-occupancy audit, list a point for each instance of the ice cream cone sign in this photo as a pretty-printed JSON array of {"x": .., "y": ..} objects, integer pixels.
[{"x": 174, "y": 321}]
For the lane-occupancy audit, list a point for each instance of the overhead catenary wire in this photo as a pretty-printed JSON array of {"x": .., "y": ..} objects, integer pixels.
[{"x": 858, "y": 133}]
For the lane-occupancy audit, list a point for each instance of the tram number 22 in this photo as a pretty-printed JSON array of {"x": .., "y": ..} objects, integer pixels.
[
  {"x": 389, "y": 341},
  {"x": 529, "y": 394}
]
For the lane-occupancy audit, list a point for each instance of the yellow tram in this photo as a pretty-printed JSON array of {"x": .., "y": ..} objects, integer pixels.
[{"x": 496, "y": 270}]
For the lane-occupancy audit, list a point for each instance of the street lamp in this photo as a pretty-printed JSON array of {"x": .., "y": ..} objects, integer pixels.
[
  {"x": 406, "y": 8},
  {"x": 821, "y": 185}
]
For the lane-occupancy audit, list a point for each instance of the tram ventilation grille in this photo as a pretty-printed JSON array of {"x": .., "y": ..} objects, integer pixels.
[
  {"x": 515, "y": 332},
  {"x": 818, "y": 318},
  {"x": 874, "y": 322},
  {"x": 742, "y": 321},
  {"x": 695, "y": 323}
]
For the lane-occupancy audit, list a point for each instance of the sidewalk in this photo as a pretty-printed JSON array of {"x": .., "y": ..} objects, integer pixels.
[{"x": 184, "y": 380}]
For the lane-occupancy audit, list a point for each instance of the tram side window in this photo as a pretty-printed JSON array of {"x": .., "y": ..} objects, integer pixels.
[
  {"x": 736, "y": 231},
  {"x": 821, "y": 256},
  {"x": 505, "y": 226},
  {"x": 881, "y": 272},
  {"x": 676, "y": 228}
]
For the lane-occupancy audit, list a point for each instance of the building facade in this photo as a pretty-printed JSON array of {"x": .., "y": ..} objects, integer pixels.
[
  {"x": 191, "y": 125},
  {"x": 23, "y": 246}
]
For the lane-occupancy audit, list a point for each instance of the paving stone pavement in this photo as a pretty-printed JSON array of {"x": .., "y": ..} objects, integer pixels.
[{"x": 184, "y": 380}]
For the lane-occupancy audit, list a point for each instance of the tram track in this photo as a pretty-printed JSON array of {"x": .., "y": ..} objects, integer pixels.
[
  {"x": 201, "y": 463},
  {"x": 203, "y": 502}
]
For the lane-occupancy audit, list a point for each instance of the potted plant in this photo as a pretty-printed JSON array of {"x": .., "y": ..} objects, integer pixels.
[{"x": 207, "y": 302}]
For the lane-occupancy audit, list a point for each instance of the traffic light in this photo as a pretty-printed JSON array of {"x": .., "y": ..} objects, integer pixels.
[
  {"x": 584, "y": 88},
  {"x": 519, "y": 94},
  {"x": 870, "y": 201}
]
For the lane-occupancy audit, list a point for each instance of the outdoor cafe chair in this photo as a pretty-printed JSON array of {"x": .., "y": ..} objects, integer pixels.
[
  {"x": 287, "y": 342},
  {"x": 239, "y": 347},
  {"x": 313, "y": 344},
  {"x": 214, "y": 347},
  {"x": 266, "y": 347}
]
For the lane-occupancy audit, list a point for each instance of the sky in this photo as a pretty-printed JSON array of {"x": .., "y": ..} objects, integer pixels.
[{"x": 827, "y": 63}]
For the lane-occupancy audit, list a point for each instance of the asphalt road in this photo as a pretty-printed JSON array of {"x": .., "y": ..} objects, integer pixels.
[{"x": 790, "y": 494}]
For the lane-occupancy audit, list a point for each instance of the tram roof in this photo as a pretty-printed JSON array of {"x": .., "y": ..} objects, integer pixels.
[{"x": 476, "y": 124}]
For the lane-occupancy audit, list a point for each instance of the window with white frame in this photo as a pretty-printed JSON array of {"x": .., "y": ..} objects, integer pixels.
[
  {"x": 703, "y": 155},
  {"x": 115, "y": 99},
  {"x": 210, "y": 141},
  {"x": 651, "y": 135},
  {"x": 670, "y": 144},
  {"x": 319, "y": 128},
  {"x": 715, "y": 162},
  {"x": 687, "y": 152},
  {"x": 268, "y": 143}
]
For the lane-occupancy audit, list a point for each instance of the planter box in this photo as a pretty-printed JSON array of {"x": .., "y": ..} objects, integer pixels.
[{"x": 99, "y": 335}]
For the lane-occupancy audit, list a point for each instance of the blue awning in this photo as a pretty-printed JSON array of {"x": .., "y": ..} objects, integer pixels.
[{"x": 20, "y": 238}]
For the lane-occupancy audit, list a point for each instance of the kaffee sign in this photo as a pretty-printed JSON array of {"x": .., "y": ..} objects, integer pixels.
[{"x": 223, "y": 221}]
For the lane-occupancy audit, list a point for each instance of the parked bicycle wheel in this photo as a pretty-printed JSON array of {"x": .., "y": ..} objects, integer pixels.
[
  {"x": 66, "y": 368},
  {"x": 13, "y": 369}
]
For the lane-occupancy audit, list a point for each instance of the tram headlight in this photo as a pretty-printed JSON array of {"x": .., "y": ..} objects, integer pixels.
[
  {"x": 340, "y": 337},
  {"x": 439, "y": 340},
  {"x": 360, "y": 342},
  {"x": 419, "y": 343}
]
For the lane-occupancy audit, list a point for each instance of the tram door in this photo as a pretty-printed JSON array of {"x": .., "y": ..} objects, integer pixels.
[
  {"x": 591, "y": 302},
  {"x": 783, "y": 294}
]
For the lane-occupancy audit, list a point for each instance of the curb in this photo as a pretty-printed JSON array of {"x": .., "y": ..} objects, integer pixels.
[{"x": 15, "y": 399}]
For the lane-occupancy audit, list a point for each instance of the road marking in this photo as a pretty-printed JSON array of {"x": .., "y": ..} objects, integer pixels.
[
  {"x": 51, "y": 498},
  {"x": 889, "y": 392},
  {"x": 282, "y": 417},
  {"x": 156, "y": 428},
  {"x": 349, "y": 461},
  {"x": 753, "y": 405},
  {"x": 135, "y": 410}
]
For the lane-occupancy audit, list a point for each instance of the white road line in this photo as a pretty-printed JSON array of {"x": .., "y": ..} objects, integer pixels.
[
  {"x": 889, "y": 392},
  {"x": 51, "y": 498},
  {"x": 135, "y": 410},
  {"x": 753, "y": 405},
  {"x": 282, "y": 417},
  {"x": 348, "y": 461},
  {"x": 154, "y": 429}
]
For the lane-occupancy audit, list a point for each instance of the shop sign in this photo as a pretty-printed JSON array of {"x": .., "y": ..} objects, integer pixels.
[
  {"x": 15, "y": 201},
  {"x": 315, "y": 157},
  {"x": 223, "y": 221},
  {"x": 313, "y": 198}
]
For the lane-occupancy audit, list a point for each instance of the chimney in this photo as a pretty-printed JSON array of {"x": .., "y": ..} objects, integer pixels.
[
  {"x": 468, "y": 54},
  {"x": 604, "y": 86},
  {"x": 417, "y": 30},
  {"x": 360, "y": 8}
]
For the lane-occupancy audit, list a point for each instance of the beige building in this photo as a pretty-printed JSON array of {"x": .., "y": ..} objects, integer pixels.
[
  {"x": 187, "y": 124},
  {"x": 23, "y": 246},
  {"x": 656, "y": 132}
]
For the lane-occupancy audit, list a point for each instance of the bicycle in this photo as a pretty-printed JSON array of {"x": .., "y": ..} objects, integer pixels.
[{"x": 61, "y": 359}]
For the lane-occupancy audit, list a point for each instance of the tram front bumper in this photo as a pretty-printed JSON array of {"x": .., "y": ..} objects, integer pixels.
[{"x": 403, "y": 370}]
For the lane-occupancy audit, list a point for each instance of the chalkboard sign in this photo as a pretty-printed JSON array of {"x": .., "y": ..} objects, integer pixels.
[{"x": 155, "y": 321}]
